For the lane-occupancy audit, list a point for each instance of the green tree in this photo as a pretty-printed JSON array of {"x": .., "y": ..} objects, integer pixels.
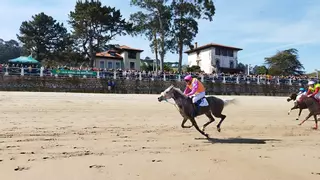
[
  {"x": 154, "y": 23},
  {"x": 242, "y": 67},
  {"x": 167, "y": 67},
  {"x": 9, "y": 50},
  {"x": 260, "y": 70},
  {"x": 95, "y": 25},
  {"x": 146, "y": 67},
  {"x": 43, "y": 36},
  {"x": 186, "y": 13},
  {"x": 285, "y": 63},
  {"x": 194, "y": 69}
]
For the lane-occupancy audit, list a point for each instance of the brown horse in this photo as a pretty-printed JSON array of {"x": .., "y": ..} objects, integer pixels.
[
  {"x": 296, "y": 104},
  {"x": 314, "y": 108}
]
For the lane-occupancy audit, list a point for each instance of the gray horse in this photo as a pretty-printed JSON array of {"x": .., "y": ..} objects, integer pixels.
[{"x": 186, "y": 108}]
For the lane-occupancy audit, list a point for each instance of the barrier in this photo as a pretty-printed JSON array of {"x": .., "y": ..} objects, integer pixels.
[{"x": 129, "y": 86}]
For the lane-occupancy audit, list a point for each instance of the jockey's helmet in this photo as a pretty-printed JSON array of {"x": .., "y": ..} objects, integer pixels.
[
  {"x": 188, "y": 78},
  {"x": 311, "y": 83}
]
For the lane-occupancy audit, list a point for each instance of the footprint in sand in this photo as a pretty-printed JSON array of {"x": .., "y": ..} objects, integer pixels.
[
  {"x": 96, "y": 166},
  {"x": 21, "y": 168}
]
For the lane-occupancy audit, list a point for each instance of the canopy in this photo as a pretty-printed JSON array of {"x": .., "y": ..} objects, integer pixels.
[{"x": 24, "y": 59}]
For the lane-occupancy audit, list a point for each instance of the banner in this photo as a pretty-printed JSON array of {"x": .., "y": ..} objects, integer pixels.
[{"x": 73, "y": 72}]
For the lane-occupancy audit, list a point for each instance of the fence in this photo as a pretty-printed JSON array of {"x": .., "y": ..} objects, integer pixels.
[
  {"x": 143, "y": 76},
  {"x": 124, "y": 86}
]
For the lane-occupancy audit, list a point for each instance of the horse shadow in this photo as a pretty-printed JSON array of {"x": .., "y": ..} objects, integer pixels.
[{"x": 237, "y": 140}]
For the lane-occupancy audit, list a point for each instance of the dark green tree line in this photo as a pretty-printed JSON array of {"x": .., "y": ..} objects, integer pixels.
[{"x": 9, "y": 50}]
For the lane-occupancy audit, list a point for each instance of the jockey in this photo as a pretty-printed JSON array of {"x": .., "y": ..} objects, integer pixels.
[
  {"x": 314, "y": 90},
  {"x": 302, "y": 91},
  {"x": 196, "y": 88}
]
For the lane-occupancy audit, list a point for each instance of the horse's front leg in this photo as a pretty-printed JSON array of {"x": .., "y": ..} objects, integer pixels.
[
  {"x": 294, "y": 107},
  {"x": 300, "y": 110},
  {"x": 194, "y": 123},
  {"x": 184, "y": 122}
]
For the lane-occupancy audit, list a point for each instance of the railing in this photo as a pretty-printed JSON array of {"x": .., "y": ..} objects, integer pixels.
[{"x": 234, "y": 79}]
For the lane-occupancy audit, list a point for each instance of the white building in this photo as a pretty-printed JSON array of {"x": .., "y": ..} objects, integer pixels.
[
  {"x": 213, "y": 57},
  {"x": 122, "y": 57}
]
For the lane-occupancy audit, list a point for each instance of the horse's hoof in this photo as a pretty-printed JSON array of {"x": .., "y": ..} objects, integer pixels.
[
  {"x": 297, "y": 119},
  {"x": 219, "y": 129},
  {"x": 207, "y": 135},
  {"x": 314, "y": 128}
]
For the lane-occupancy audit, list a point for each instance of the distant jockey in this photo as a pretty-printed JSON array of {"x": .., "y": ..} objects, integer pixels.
[
  {"x": 314, "y": 90},
  {"x": 196, "y": 88},
  {"x": 302, "y": 91}
]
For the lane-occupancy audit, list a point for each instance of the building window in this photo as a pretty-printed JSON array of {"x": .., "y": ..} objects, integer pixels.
[
  {"x": 224, "y": 52},
  {"x": 230, "y": 53},
  {"x": 132, "y": 65},
  {"x": 112, "y": 53},
  {"x": 217, "y": 63},
  {"x": 132, "y": 55},
  {"x": 118, "y": 65},
  {"x": 110, "y": 65},
  {"x": 231, "y": 64},
  {"x": 101, "y": 64},
  {"x": 217, "y": 51}
]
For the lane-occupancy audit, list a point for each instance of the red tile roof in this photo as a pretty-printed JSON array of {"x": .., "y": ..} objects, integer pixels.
[
  {"x": 124, "y": 47},
  {"x": 110, "y": 54},
  {"x": 115, "y": 54},
  {"x": 211, "y": 45}
]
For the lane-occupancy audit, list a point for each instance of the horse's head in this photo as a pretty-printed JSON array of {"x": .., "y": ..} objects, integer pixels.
[
  {"x": 293, "y": 97},
  {"x": 166, "y": 94}
]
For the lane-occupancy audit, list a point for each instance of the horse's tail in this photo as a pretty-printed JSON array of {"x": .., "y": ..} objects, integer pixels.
[{"x": 229, "y": 101}]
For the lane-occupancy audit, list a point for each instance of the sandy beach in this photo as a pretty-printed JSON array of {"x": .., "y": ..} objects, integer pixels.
[{"x": 65, "y": 136}]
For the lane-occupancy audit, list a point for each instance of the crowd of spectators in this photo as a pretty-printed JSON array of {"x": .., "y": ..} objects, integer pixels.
[{"x": 171, "y": 76}]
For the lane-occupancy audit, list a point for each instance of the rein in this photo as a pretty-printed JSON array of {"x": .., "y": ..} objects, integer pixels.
[{"x": 175, "y": 105}]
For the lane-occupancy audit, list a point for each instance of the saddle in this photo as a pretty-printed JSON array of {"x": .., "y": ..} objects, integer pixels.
[{"x": 198, "y": 102}]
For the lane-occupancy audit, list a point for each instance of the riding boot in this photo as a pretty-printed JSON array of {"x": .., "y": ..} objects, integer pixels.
[{"x": 196, "y": 109}]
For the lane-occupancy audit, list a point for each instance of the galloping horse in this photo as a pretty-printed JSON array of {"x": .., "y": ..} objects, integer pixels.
[
  {"x": 312, "y": 104},
  {"x": 186, "y": 108},
  {"x": 296, "y": 103}
]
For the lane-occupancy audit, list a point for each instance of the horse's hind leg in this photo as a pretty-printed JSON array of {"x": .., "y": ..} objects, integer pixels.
[
  {"x": 220, "y": 122},
  {"x": 194, "y": 123},
  {"x": 316, "y": 122},
  {"x": 211, "y": 120},
  {"x": 309, "y": 115}
]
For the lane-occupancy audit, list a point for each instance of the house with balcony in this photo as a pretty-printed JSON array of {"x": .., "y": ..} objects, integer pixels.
[
  {"x": 214, "y": 58},
  {"x": 122, "y": 57}
]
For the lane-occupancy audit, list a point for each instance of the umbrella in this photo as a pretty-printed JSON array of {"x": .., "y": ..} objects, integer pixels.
[{"x": 24, "y": 59}]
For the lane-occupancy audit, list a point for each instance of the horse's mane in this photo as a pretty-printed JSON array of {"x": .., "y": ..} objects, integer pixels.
[{"x": 179, "y": 91}]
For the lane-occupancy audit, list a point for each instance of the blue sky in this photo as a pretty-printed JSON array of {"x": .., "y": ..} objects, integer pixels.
[{"x": 260, "y": 27}]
